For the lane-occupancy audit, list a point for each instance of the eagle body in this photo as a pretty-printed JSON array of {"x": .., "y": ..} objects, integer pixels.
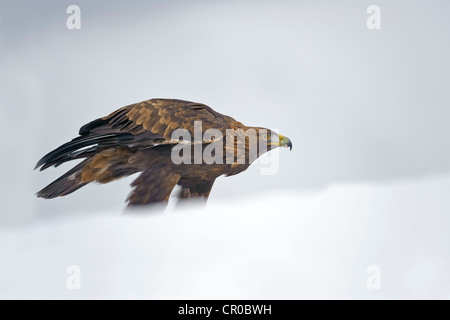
[{"x": 140, "y": 138}]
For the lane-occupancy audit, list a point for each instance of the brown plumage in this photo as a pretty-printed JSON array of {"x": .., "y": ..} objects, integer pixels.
[{"x": 138, "y": 138}]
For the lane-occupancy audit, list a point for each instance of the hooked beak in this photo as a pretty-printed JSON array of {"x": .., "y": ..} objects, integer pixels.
[{"x": 285, "y": 142}]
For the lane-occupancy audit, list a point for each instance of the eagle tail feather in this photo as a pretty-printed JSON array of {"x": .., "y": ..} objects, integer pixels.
[{"x": 64, "y": 185}]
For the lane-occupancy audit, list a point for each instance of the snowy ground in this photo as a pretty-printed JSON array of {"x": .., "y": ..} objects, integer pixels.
[{"x": 284, "y": 245}]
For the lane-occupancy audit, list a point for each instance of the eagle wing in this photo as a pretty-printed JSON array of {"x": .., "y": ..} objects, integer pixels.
[
  {"x": 142, "y": 125},
  {"x": 161, "y": 117}
]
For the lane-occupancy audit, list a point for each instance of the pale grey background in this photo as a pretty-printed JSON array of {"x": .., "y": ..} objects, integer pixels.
[{"x": 361, "y": 106}]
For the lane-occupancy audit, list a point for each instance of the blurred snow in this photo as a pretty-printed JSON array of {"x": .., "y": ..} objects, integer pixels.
[{"x": 271, "y": 246}]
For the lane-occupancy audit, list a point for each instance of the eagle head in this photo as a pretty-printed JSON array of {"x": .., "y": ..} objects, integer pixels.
[{"x": 272, "y": 139}]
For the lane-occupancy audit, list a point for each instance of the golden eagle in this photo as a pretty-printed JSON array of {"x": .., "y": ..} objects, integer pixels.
[{"x": 140, "y": 138}]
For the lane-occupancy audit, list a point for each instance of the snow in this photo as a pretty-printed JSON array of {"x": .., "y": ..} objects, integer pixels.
[{"x": 279, "y": 245}]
